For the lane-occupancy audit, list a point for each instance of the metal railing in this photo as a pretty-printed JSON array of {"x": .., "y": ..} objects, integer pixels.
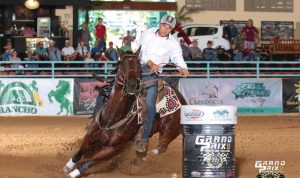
[{"x": 106, "y": 69}]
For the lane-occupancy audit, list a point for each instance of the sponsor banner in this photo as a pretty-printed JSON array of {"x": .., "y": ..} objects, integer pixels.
[
  {"x": 36, "y": 96},
  {"x": 85, "y": 95},
  {"x": 253, "y": 96},
  {"x": 192, "y": 114},
  {"x": 291, "y": 90}
]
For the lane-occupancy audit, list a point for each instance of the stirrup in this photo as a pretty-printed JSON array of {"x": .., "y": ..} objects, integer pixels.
[{"x": 140, "y": 145}]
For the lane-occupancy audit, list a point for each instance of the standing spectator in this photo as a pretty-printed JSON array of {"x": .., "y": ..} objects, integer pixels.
[
  {"x": 100, "y": 34},
  {"x": 82, "y": 49},
  {"x": 126, "y": 47},
  {"x": 84, "y": 34},
  {"x": 41, "y": 51},
  {"x": 209, "y": 53},
  {"x": 54, "y": 53},
  {"x": 231, "y": 32},
  {"x": 129, "y": 38},
  {"x": 196, "y": 52},
  {"x": 68, "y": 52},
  {"x": 250, "y": 32},
  {"x": 112, "y": 52},
  {"x": 185, "y": 51}
]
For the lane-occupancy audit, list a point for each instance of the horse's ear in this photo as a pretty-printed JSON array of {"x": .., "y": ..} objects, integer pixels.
[
  {"x": 120, "y": 51},
  {"x": 137, "y": 52}
]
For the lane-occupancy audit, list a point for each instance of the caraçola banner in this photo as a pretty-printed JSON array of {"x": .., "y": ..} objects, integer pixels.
[
  {"x": 251, "y": 96},
  {"x": 36, "y": 96}
]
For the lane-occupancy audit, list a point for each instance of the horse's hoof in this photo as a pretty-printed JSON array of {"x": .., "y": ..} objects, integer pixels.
[
  {"x": 154, "y": 152},
  {"x": 74, "y": 173}
]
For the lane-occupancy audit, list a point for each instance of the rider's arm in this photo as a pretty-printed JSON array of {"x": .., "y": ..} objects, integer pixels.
[{"x": 177, "y": 58}]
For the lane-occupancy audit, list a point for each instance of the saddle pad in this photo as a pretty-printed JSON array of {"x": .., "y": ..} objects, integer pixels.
[{"x": 170, "y": 103}]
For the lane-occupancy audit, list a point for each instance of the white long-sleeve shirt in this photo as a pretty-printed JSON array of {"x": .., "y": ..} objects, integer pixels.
[{"x": 160, "y": 50}]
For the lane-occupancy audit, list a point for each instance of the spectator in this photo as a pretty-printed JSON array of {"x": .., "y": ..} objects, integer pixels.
[
  {"x": 28, "y": 31},
  {"x": 209, "y": 53},
  {"x": 231, "y": 32},
  {"x": 196, "y": 52},
  {"x": 96, "y": 49},
  {"x": 84, "y": 34},
  {"x": 68, "y": 52},
  {"x": 14, "y": 58},
  {"x": 129, "y": 38},
  {"x": 250, "y": 32},
  {"x": 185, "y": 51},
  {"x": 41, "y": 51},
  {"x": 82, "y": 49},
  {"x": 234, "y": 53},
  {"x": 126, "y": 47},
  {"x": 32, "y": 57},
  {"x": 100, "y": 34},
  {"x": 112, "y": 52},
  {"x": 11, "y": 31},
  {"x": 8, "y": 51},
  {"x": 89, "y": 58},
  {"x": 53, "y": 52}
]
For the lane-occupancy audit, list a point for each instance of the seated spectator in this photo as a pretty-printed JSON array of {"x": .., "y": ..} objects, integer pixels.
[
  {"x": 54, "y": 53},
  {"x": 221, "y": 54},
  {"x": 8, "y": 51},
  {"x": 209, "y": 53},
  {"x": 32, "y": 57},
  {"x": 14, "y": 58},
  {"x": 185, "y": 51},
  {"x": 89, "y": 58},
  {"x": 234, "y": 53},
  {"x": 41, "y": 51},
  {"x": 68, "y": 52},
  {"x": 126, "y": 47},
  {"x": 11, "y": 31},
  {"x": 250, "y": 54},
  {"x": 113, "y": 53},
  {"x": 82, "y": 50},
  {"x": 28, "y": 31},
  {"x": 96, "y": 49},
  {"x": 196, "y": 53}
]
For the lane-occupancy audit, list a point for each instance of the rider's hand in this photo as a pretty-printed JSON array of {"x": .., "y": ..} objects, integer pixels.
[
  {"x": 185, "y": 72},
  {"x": 154, "y": 67}
]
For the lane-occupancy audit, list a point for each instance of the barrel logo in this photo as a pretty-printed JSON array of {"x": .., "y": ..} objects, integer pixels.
[{"x": 194, "y": 114}]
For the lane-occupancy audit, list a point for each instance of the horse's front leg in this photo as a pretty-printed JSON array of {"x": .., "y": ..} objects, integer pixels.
[
  {"x": 72, "y": 162},
  {"x": 106, "y": 152}
]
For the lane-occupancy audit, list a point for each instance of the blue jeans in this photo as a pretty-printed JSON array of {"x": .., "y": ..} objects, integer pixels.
[{"x": 151, "y": 88}]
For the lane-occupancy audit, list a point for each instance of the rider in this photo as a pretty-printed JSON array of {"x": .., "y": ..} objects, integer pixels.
[{"x": 158, "y": 47}]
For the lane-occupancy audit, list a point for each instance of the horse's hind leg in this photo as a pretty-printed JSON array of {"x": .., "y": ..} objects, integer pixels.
[{"x": 106, "y": 152}]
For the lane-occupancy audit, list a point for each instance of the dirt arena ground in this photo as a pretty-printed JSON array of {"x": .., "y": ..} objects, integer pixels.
[{"x": 38, "y": 147}]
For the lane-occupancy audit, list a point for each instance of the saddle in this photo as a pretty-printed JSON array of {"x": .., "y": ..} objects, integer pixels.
[{"x": 167, "y": 101}]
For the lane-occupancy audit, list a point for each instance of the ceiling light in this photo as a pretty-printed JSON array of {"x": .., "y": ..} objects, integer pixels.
[{"x": 32, "y": 4}]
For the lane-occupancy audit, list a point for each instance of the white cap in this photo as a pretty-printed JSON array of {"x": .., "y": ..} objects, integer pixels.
[{"x": 167, "y": 19}]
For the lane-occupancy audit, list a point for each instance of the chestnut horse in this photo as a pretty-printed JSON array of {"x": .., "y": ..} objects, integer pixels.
[{"x": 118, "y": 121}]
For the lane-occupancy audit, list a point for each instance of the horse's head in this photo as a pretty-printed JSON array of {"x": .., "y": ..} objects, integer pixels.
[{"x": 129, "y": 72}]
